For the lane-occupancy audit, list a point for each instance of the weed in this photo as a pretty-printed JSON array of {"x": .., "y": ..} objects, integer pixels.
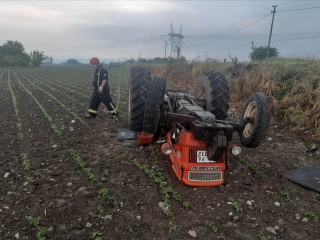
[
  {"x": 26, "y": 163},
  {"x": 312, "y": 215},
  {"x": 261, "y": 236},
  {"x": 33, "y": 221},
  {"x": 153, "y": 155},
  {"x": 186, "y": 204},
  {"x": 286, "y": 196},
  {"x": 252, "y": 167},
  {"x": 106, "y": 173},
  {"x": 236, "y": 205},
  {"x": 19, "y": 126},
  {"x": 129, "y": 229},
  {"x": 172, "y": 227},
  {"x": 99, "y": 213},
  {"x": 96, "y": 236},
  {"x": 213, "y": 227},
  {"x": 104, "y": 194},
  {"x": 30, "y": 179},
  {"x": 41, "y": 233}
]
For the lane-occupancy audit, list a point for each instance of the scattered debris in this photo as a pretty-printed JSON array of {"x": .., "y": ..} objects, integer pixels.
[
  {"x": 313, "y": 147},
  {"x": 271, "y": 229},
  {"x": 277, "y": 204},
  {"x": 164, "y": 206},
  {"x": 73, "y": 121},
  {"x": 192, "y": 233},
  {"x": 249, "y": 202},
  {"x": 6, "y": 175}
]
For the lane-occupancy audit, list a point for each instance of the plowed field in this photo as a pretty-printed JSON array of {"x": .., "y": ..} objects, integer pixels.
[{"x": 66, "y": 177}]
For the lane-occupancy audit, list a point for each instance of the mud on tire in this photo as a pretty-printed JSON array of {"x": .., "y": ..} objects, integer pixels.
[
  {"x": 139, "y": 85},
  {"x": 256, "y": 108},
  {"x": 213, "y": 87},
  {"x": 153, "y": 107}
]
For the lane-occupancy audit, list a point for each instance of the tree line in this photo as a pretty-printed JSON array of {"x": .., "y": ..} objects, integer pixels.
[{"x": 12, "y": 53}]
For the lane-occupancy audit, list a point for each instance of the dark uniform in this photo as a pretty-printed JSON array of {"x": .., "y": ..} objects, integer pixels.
[{"x": 101, "y": 74}]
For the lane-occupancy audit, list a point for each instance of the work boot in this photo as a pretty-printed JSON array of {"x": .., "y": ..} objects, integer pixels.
[{"x": 88, "y": 115}]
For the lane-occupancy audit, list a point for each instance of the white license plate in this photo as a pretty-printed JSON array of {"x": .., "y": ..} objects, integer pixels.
[{"x": 202, "y": 157}]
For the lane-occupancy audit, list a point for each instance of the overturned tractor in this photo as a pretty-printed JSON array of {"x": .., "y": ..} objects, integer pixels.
[{"x": 193, "y": 128}]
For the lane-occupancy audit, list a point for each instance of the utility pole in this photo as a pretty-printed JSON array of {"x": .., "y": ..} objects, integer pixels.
[
  {"x": 252, "y": 47},
  {"x": 165, "y": 50},
  {"x": 273, "y": 12}
]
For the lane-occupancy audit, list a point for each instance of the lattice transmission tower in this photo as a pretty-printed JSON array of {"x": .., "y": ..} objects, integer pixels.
[{"x": 176, "y": 43}]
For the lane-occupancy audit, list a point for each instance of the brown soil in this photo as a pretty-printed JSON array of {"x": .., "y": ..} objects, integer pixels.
[{"x": 58, "y": 190}]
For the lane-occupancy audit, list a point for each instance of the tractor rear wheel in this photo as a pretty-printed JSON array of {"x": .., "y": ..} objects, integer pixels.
[
  {"x": 256, "y": 118},
  {"x": 153, "y": 107},
  {"x": 213, "y": 88},
  {"x": 139, "y": 85}
]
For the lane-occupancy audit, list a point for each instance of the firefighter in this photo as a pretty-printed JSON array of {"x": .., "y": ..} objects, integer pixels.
[{"x": 101, "y": 91}]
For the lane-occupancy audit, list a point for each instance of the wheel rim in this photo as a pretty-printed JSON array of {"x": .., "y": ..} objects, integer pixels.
[
  {"x": 251, "y": 112},
  {"x": 202, "y": 92}
]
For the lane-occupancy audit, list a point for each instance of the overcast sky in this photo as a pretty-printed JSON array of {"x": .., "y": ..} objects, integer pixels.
[{"x": 125, "y": 29}]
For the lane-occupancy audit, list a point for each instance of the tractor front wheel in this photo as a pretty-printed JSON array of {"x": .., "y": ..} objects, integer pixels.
[{"x": 255, "y": 119}]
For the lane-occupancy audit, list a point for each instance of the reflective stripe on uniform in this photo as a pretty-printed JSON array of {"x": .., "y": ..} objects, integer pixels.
[
  {"x": 114, "y": 109},
  {"x": 92, "y": 111}
]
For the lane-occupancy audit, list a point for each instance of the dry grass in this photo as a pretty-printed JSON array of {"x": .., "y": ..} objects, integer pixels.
[{"x": 292, "y": 86}]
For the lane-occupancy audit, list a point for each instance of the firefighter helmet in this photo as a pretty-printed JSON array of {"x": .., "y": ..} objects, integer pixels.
[{"x": 94, "y": 61}]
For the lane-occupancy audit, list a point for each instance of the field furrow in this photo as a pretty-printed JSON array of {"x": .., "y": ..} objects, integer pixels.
[{"x": 67, "y": 177}]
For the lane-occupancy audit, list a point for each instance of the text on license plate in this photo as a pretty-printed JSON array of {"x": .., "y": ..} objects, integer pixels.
[{"x": 202, "y": 157}]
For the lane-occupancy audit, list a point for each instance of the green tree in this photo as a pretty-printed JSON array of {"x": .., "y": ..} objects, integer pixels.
[
  {"x": 73, "y": 61},
  {"x": 37, "y": 57},
  {"x": 12, "y": 53},
  {"x": 260, "y": 53}
]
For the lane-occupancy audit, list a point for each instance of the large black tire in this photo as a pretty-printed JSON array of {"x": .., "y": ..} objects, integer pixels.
[
  {"x": 213, "y": 88},
  {"x": 139, "y": 86},
  {"x": 257, "y": 109},
  {"x": 153, "y": 108}
]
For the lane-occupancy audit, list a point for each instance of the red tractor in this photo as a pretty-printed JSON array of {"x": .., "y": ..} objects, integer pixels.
[{"x": 194, "y": 128}]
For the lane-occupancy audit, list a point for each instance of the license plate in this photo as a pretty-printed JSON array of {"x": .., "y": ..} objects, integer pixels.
[{"x": 202, "y": 157}]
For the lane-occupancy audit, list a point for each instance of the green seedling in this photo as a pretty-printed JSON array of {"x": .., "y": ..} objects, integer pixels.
[
  {"x": 106, "y": 173},
  {"x": 104, "y": 194},
  {"x": 26, "y": 163},
  {"x": 167, "y": 191},
  {"x": 33, "y": 221},
  {"x": 252, "y": 167},
  {"x": 213, "y": 227},
  {"x": 261, "y": 236},
  {"x": 172, "y": 227},
  {"x": 30, "y": 179},
  {"x": 311, "y": 215},
  {"x": 236, "y": 205},
  {"x": 286, "y": 196},
  {"x": 41, "y": 233},
  {"x": 96, "y": 236}
]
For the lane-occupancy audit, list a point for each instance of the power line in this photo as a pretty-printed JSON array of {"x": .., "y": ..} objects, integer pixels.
[
  {"x": 299, "y": 9},
  {"x": 237, "y": 30},
  {"x": 114, "y": 44}
]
